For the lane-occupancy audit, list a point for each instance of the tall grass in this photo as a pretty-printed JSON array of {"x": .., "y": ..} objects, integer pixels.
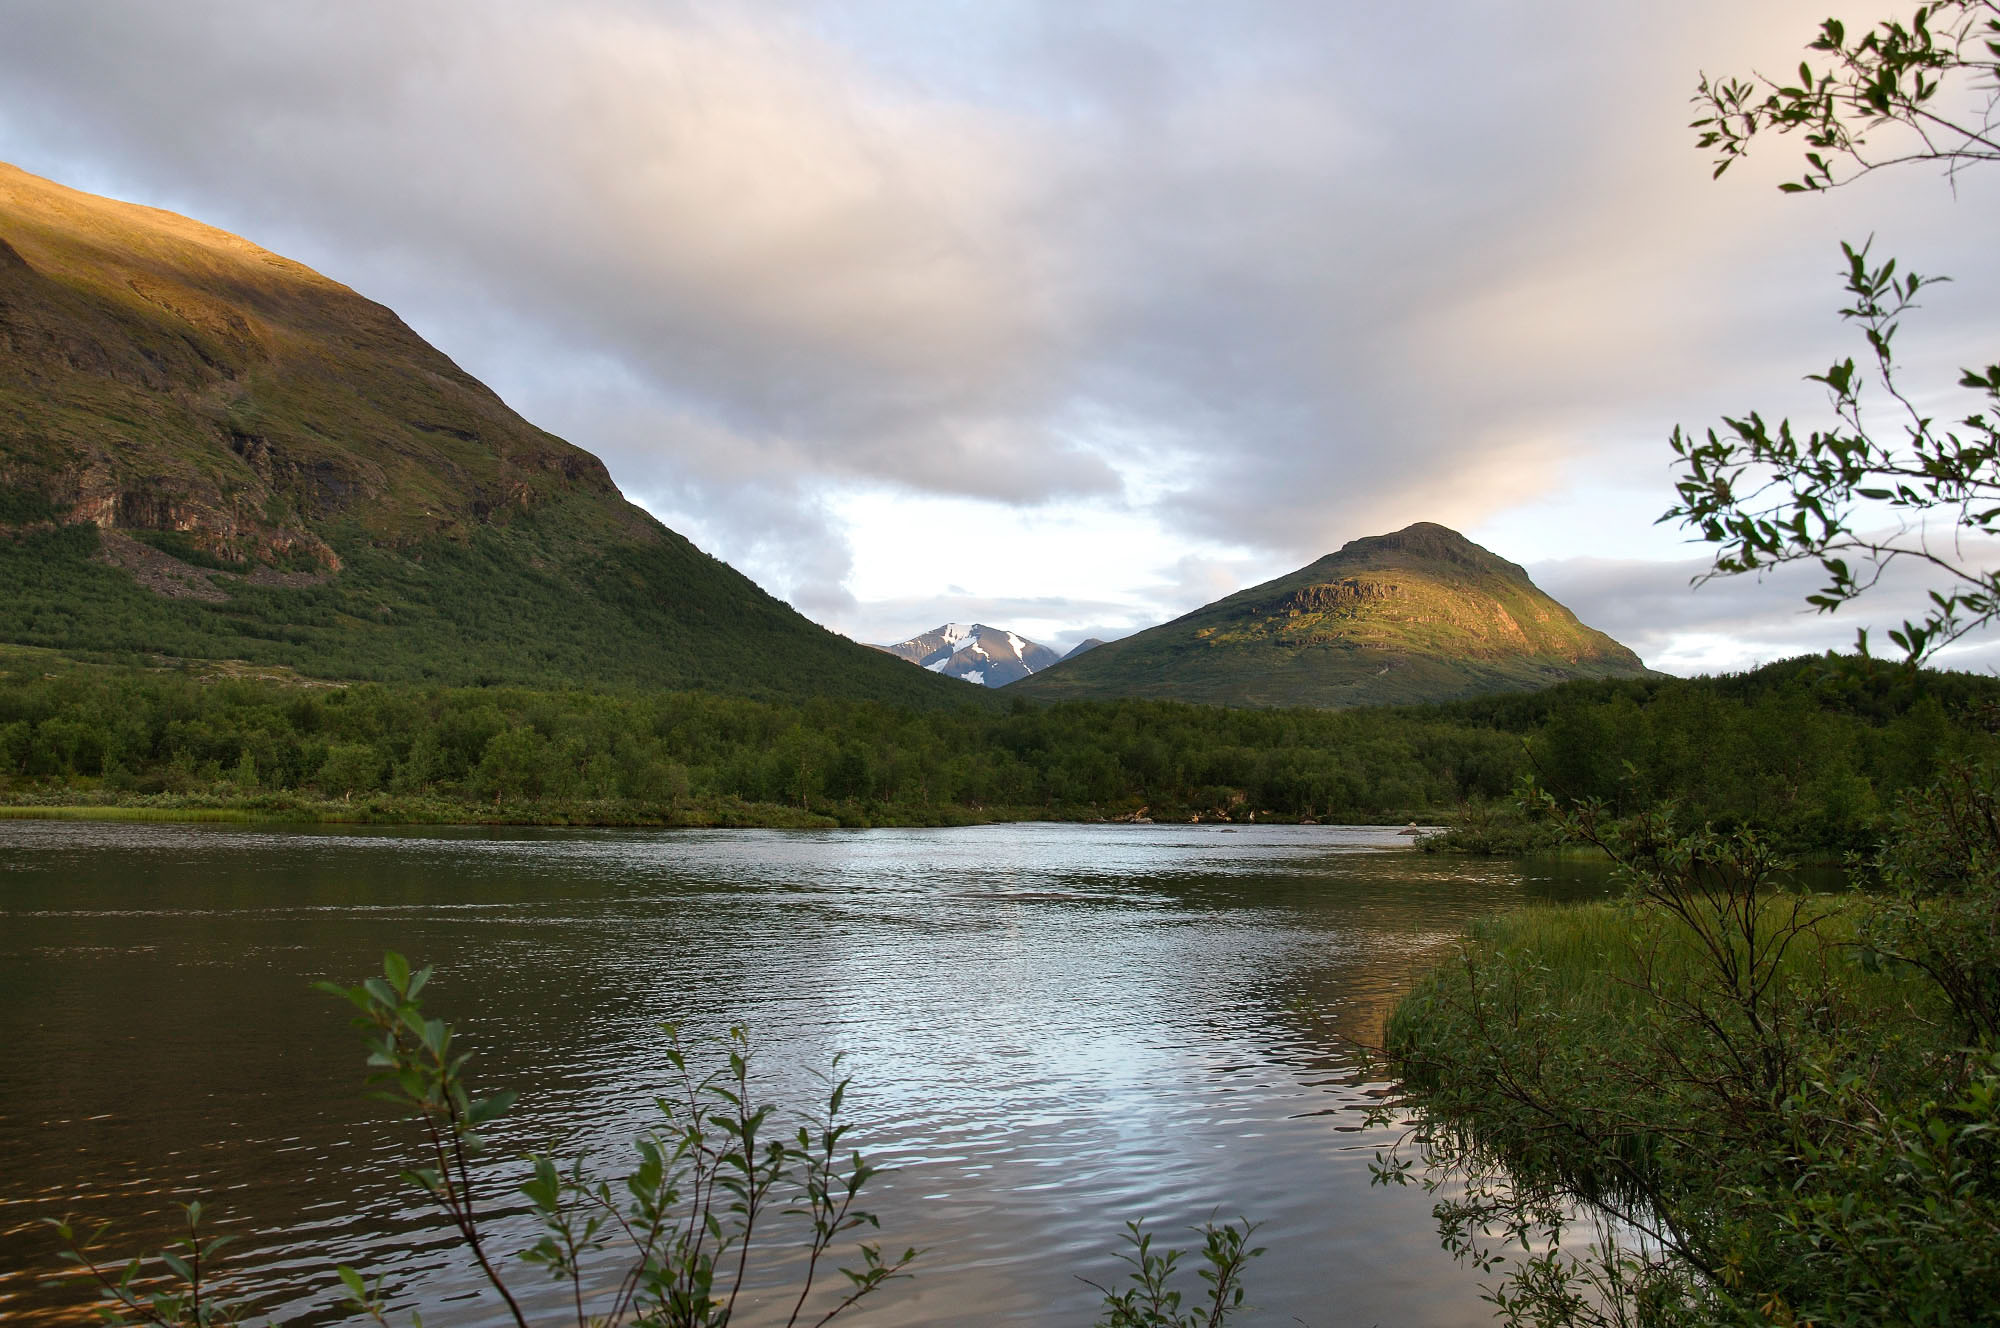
[
  {"x": 115, "y": 813},
  {"x": 1602, "y": 956},
  {"x": 1776, "y": 1120}
]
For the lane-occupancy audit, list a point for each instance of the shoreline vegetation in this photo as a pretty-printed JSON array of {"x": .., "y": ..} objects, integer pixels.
[
  {"x": 1723, "y": 1098},
  {"x": 1812, "y": 753},
  {"x": 726, "y": 815}
]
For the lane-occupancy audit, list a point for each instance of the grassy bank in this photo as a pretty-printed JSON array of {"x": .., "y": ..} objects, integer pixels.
[
  {"x": 72, "y": 805},
  {"x": 1787, "y": 1104},
  {"x": 56, "y": 812},
  {"x": 408, "y": 811},
  {"x": 392, "y": 810}
]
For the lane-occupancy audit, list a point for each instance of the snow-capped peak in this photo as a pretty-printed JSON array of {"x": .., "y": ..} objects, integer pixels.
[{"x": 977, "y": 653}]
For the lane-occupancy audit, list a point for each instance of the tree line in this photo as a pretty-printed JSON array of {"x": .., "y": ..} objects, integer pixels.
[{"x": 1813, "y": 751}]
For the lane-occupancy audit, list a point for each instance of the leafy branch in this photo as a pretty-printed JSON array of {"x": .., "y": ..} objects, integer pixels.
[
  {"x": 1865, "y": 493},
  {"x": 1849, "y": 90},
  {"x": 130, "y": 1301},
  {"x": 1153, "y": 1302},
  {"x": 686, "y": 1217},
  {"x": 1857, "y": 498}
]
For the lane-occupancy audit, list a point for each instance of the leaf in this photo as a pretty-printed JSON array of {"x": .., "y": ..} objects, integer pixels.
[{"x": 490, "y": 1108}]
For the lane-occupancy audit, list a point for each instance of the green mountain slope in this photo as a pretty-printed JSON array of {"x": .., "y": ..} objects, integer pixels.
[
  {"x": 210, "y": 451},
  {"x": 1420, "y": 615}
]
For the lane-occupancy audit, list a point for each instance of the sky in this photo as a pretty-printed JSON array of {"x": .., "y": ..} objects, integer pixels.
[{"x": 1063, "y": 317}]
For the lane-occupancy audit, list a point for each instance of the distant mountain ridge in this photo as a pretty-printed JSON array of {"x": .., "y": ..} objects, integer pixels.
[
  {"x": 976, "y": 653},
  {"x": 1420, "y": 615},
  {"x": 211, "y": 451}
]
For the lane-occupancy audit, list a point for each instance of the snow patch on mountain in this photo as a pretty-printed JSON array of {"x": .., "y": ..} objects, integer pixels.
[{"x": 978, "y": 654}]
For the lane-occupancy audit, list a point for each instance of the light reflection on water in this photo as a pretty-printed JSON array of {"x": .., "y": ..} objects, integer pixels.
[{"x": 1051, "y": 1028}]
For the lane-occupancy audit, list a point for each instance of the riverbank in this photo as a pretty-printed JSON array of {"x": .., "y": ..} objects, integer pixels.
[
  {"x": 1785, "y": 1104},
  {"x": 67, "y": 804},
  {"x": 1812, "y": 753}
]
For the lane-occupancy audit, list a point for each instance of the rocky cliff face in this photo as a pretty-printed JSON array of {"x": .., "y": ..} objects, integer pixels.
[{"x": 1345, "y": 596}]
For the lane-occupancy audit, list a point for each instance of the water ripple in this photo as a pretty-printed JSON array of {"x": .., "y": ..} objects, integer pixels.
[{"x": 1051, "y": 1029}]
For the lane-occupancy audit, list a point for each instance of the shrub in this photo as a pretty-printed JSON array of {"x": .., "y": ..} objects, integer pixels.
[{"x": 684, "y": 1227}]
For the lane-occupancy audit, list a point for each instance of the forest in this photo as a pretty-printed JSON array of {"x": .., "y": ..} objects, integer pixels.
[{"x": 1812, "y": 752}]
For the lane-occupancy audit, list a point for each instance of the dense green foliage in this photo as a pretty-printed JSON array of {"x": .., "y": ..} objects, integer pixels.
[
  {"x": 1810, "y": 751},
  {"x": 1787, "y": 1105},
  {"x": 525, "y": 603}
]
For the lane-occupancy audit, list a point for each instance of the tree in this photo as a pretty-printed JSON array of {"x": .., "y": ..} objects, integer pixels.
[
  {"x": 1872, "y": 489},
  {"x": 1780, "y": 1108}
]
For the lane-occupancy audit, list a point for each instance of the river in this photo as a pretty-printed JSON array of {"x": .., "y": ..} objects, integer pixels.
[{"x": 1051, "y": 1029}]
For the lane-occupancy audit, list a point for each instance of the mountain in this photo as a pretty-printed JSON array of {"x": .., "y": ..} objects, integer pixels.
[
  {"x": 1087, "y": 644},
  {"x": 210, "y": 451},
  {"x": 1421, "y": 615},
  {"x": 989, "y": 656}
]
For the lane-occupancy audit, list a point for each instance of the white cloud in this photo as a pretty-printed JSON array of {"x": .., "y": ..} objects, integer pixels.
[
  {"x": 1730, "y": 623},
  {"x": 1193, "y": 300}
]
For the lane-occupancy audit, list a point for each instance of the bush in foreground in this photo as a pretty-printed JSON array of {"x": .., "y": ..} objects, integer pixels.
[
  {"x": 671, "y": 1244},
  {"x": 1764, "y": 1106}
]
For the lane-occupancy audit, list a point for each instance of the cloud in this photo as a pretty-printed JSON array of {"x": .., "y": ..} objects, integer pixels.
[
  {"x": 1732, "y": 623},
  {"x": 1266, "y": 277},
  {"x": 725, "y": 206}
]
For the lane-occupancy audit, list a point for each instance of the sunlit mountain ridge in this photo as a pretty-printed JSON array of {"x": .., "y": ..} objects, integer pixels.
[
  {"x": 210, "y": 451},
  {"x": 1423, "y": 614}
]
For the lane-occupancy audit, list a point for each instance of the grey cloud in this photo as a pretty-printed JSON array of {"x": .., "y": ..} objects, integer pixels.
[
  {"x": 1340, "y": 267},
  {"x": 1364, "y": 305},
  {"x": 717, "y": 203},
  {"x": 767, "y": 524},
  {"x": 1738, "y": 622}
]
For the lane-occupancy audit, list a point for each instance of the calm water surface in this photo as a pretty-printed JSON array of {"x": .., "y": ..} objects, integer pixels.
[{"x": 1052, "y": 1029}]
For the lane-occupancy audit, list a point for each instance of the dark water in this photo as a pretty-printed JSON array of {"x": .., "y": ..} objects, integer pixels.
[{"x": 1052, "y": 1029}]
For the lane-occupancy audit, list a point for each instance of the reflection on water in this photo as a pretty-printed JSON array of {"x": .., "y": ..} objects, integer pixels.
[{"x": 1052, "y": 1029}]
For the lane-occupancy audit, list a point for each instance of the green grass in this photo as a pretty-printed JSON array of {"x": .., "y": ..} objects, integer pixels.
[
  {"x": 393, "y": 809},
  {"x": 140, "y": 812},
  {"x": 1591, "y": 966},
  {"x": 1771, "y": 1117}
]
